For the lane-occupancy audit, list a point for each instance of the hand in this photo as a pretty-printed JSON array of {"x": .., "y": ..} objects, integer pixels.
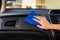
[{"x": 42, "y": 20}]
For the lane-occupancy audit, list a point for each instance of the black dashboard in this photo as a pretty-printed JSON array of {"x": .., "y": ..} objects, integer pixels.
[
  {"x": 13, "y": 21},
  {"x": 14, "y": 18},
  {"x": 14, "y": 27}
]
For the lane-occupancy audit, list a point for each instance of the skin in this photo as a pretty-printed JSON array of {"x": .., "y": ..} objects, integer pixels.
[{"x": 45, "y": 24}]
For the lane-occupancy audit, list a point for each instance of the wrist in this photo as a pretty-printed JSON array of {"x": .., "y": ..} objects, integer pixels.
[{"x": 51, "y": 26}]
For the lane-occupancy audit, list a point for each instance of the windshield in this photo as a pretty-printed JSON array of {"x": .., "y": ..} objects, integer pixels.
[{"x": 26, "y": 4}]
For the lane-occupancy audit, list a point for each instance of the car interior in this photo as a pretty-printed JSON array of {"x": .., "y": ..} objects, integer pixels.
[{"x": 14, "y": 27}]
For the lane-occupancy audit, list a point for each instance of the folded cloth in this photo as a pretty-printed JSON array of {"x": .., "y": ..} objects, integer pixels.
[{"x": 29, "y": 19}]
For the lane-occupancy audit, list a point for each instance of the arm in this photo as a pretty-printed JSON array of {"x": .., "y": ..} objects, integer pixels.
[
  {"x": 45, "y": 24},
  {"x": 55, "y": 26}
]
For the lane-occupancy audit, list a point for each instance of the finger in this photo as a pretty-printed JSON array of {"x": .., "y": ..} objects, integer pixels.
[
  {"x": 40, "y": 26},
  {"x": 43, "y": 19},
  {"x": 36, "y": 20},
  {"x": 37, "y": 17},
  {"x": 40, "y": 18},
  {"x": 40, "y": 22}
]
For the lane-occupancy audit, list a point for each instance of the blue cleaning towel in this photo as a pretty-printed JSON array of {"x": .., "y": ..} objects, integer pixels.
[{"x": 29, "y": 19}]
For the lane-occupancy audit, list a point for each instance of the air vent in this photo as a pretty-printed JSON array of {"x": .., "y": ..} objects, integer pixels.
[
  {"x": 55, "y": 16},
  {"x": 55, "y": 12},
  {"x": 10, "y": 23}
]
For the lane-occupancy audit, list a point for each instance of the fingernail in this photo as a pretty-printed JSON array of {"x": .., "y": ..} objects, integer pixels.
[
  {"x": 34, "y": 16},
  {"x": 38, "y": 25}
]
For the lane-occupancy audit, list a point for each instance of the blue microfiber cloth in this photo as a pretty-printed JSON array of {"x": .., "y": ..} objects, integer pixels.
[{"x": 29, "y": 19}]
